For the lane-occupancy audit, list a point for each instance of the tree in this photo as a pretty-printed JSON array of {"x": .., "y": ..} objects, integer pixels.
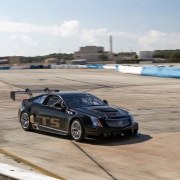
[
  {"x": 174, "y": 55},
  {"x": 159, "y": 55},
  {"x": 103, "y": 57}
]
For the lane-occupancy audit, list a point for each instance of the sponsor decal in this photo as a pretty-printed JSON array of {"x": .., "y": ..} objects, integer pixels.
[{"x": 55, "y": 123}]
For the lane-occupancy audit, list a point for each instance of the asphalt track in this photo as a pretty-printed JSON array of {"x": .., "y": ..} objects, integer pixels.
[{"x": 153, "y": 101}]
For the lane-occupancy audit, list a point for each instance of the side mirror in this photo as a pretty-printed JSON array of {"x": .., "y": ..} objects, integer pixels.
[
  {"x": 63, "y": 108},
  {"x": 105, "y": 101}
]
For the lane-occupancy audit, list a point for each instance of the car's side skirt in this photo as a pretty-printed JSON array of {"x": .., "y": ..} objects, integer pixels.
[{"x": 48, "y": 129}]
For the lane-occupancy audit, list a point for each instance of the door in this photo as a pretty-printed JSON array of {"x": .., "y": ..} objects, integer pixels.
[{"x": 52, "y": 117}]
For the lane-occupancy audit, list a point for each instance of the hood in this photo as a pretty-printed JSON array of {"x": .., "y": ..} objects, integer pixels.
[{"x": 108, "y": 112}]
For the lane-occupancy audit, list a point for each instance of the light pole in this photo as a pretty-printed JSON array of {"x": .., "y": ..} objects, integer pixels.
[{"x": 111, "y": 49}]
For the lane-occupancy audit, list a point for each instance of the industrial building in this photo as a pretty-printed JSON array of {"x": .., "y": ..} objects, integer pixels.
[
  {"x": 90, "y": 53},
  {"x": 145, "y": 54},
  {"x": 10, "y": 60}
]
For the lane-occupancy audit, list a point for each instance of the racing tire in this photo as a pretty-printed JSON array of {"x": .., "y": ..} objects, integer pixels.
[
  {"x": 136, "y": 133},
  {"x": 77, "y": 130},
  {"x": 25, "y": 121}
]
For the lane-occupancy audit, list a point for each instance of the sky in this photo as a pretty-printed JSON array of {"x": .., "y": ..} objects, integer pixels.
[{"x": 41, "y": 27}]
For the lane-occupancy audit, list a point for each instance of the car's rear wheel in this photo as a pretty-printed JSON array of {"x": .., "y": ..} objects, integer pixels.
[
  {"x": 77, "y": 130},
  {"x": 25, "y": 121}
]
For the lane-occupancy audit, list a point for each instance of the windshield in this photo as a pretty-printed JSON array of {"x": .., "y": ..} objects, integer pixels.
[{"x": 83, "y": 101}]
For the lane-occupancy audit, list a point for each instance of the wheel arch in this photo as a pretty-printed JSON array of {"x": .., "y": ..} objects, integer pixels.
[
  {"x": 73, "y": 118},
  {"x": 24, "y": 110}
]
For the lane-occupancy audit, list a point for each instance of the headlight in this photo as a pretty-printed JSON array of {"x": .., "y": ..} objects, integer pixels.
[
  {"x": 95, "y": 121},
  {"x": 132, "y": 118}
]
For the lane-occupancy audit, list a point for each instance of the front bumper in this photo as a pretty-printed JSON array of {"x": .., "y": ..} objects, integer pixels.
[{"x": 111, "y": 131}]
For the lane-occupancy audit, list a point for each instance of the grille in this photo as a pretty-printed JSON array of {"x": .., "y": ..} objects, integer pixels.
[
  {"x": 112, "y": 114},
  {"x": 118, "y": 123}
]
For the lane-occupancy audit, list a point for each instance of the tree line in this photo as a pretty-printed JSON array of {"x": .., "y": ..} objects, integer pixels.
[
  {"x": 58, "y": 56},
  {"x": 164, "y": 54},
  {"x": 167, "y": 54}
]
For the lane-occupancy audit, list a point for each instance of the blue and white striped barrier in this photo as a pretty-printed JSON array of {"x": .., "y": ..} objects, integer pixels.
[
  {"x": 19, "y": 67},
  {"x": 67, "y": 66},
  {"x": 4, "y": 67},
  {"x": 36, "y": 67},
  {"x": 109, "y": 66},
  {"x": 129, "y": 69},
  {"x": 169, "y": 72},
  {"x": 161, "y": 71},
  {"x": 95, "y": 66},
  {"x": 61, "y": 66},
  {"x": 25, "y": 67}
]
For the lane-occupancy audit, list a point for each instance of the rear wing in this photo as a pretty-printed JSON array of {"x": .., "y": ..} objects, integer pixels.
[{"x": 30, "y": 92}]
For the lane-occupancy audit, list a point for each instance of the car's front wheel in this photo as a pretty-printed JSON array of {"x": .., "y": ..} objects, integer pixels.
[
  {"x": 77, "y": 130},
  {"x": 24, "y": 120}
]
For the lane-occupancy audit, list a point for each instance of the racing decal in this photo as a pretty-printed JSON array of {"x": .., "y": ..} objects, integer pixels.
[
  {"x": 44, "y": 120},
  {"x": 32, "y": 120},
  {"x": 52, "y": 122}
]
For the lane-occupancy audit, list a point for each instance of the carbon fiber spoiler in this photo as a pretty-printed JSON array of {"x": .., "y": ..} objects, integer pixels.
[{"x": 30, "y": 92}]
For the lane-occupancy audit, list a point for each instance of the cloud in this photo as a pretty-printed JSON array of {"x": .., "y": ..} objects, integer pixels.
[
  {"x": 159, "y": 40},
  {"x": 13, "y": 37},
  {"x": 67, "y": 28},
  {"x": 4, "y": 17},
  {"x": 90, "y": 36},
  {"x": 138, "y": 17},
  {"x": 28, "y": 40}
]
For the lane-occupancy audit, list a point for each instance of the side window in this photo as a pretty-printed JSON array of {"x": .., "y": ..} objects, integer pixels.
[
  {"x": 40, "y": 100},
  {"x": 52, "y": 100}
]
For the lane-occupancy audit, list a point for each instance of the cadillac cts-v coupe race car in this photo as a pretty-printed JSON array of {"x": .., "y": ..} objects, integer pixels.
[{"x": 73, "y": 113}]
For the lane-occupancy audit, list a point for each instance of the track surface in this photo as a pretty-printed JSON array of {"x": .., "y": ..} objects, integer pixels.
[{"x": 154, "y": 102}]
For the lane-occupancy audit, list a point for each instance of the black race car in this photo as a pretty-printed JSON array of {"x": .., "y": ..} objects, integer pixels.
[{"x": 73, "y": 113}]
